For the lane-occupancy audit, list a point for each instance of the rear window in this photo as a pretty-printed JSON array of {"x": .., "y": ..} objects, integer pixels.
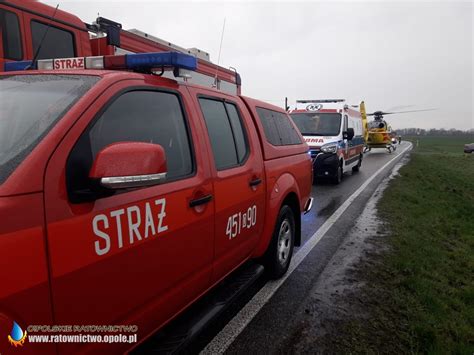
[
  {"x": 11, "y": 38},
  {"x": 57, "y": 43},
  {"x": 278, "y": 128},
  {"x": 30, "y": 105}
]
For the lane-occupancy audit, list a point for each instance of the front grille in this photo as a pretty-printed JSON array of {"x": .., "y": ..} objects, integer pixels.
[{"x": 314, "y": 153}]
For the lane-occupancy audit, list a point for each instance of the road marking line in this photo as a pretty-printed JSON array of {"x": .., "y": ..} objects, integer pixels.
[{"x": 229, "y": 333}]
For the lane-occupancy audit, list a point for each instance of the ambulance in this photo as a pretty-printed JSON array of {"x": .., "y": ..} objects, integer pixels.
[
  {"x": 334, "y": 132},
  {"x": 126, "y": 196}
]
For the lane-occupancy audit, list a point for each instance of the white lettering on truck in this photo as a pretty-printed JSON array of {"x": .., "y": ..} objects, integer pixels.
[{"x": 153, "y": 225}]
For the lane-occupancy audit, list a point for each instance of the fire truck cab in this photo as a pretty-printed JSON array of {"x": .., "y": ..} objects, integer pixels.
[
  {"x": 126, "y": 196},
  {"x": 30, "y": 28},
  {"x": 335, "y": 134}
]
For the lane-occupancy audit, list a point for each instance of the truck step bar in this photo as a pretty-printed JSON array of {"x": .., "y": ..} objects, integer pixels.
[{"x": 176, "y": 336}]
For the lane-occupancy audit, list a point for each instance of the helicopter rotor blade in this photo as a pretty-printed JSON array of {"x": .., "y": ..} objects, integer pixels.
[
  {"x": 381, "y": 113},
  {"x": 391, "y": 113}
]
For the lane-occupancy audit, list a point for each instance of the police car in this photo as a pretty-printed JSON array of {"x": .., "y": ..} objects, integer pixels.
[
  {"x": 125, "y": 196},
  {"x": 335, "y": 134}
]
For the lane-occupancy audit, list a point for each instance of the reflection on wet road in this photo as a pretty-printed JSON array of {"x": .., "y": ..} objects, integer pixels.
[{"x": 328, "y": 197}]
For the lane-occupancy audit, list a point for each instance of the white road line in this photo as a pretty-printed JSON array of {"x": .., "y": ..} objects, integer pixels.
[{"x": 229, "y": 333}]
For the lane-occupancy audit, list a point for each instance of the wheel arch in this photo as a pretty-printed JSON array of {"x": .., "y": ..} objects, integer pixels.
[
  {"x": 284, "y": 191},
  {"x": 292, "y": 201}
]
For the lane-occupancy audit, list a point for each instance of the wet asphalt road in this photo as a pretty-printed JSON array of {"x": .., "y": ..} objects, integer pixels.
[
  {"x": 328, "y": 197},
  {"x": 279, "y": 321}
]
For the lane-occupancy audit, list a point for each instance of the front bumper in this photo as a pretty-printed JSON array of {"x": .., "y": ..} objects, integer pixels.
[{"x": 325, "y": 165}]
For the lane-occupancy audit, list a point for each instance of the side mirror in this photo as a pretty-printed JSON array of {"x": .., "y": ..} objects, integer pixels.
[
  {"x": 129, "y": 164},
  {"x": 349, "y": 134}
]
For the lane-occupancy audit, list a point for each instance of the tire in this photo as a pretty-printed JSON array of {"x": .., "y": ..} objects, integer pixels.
[
  {"x": 278, "y": 256},
  {"x": 359, "y": 163},
  {"x": 338, "y": 177}
]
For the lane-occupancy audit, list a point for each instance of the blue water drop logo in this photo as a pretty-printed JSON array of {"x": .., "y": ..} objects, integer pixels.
[
  {"x": 17, "y": 332},
  {"x": 17, "y": 336}
]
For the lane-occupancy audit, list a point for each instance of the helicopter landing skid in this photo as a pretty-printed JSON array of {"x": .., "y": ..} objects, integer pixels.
[{"x": 391, "y": 148}]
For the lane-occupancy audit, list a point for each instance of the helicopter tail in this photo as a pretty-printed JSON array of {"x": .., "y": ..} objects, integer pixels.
[{"x": 363, "y": 113}]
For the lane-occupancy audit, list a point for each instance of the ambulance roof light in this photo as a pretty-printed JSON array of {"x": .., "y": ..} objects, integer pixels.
[
  {"x": 143, "y": 62},
  {"x": 319, "y": 101}
]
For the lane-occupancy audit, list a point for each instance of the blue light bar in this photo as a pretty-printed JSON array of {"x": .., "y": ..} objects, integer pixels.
[
  {"x": 161, "y": 59},
  {"x": 15, "y": 66}
]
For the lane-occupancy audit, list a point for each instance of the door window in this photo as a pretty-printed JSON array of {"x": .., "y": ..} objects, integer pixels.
[
  {"x": 137, "y": 116},
  {"x": 226, "y": 133}
]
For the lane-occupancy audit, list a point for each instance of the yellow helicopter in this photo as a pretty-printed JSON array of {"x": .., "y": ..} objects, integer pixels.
[{"x": 378, "y": 133}]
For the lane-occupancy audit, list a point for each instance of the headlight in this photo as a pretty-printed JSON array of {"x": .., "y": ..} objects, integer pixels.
[{"x": 329, "y": 148}]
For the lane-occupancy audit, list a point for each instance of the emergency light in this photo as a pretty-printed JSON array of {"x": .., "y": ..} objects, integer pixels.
[
  {"x": 18, "y": 66},
  {"x": 136, "y": 61}
]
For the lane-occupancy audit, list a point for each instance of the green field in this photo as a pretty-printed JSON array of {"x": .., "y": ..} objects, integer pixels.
[
  {"x": 440, "y": 145},
  {"x": 420, "y": 293}
]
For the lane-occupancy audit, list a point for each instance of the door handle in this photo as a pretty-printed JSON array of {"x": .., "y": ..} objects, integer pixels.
[
  {"x": 255, "y": 182},
  {"x": 200, "y": 201}
]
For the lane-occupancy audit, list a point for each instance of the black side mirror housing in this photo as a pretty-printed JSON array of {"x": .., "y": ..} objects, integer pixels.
[{"x": 349, "y": 134}]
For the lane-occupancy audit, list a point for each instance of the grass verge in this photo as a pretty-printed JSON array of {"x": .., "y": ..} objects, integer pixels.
[{"x": 421, "y": 291}]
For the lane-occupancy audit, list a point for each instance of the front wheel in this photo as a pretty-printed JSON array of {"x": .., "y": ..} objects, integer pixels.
[
  {"x": 278, "y": 256},
  {"x": 359, "y": 163},
  {"x": 338, "y": 177}
]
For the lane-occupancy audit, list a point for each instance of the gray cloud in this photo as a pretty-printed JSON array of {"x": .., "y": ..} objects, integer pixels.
[{"x": 417, "y": 54}]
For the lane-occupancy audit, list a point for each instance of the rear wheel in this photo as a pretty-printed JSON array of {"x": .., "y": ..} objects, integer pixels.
[{"x": 278, "y": 256}]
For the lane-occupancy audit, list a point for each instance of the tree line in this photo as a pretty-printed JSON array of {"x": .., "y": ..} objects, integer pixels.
[{"x": 434, "y": 132}]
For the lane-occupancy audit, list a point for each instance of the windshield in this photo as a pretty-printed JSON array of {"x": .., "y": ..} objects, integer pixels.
[
  {"x": 29, "y": 106},
  {"x": 317, "y": 124},
  {"x": 376, "y": 124}
]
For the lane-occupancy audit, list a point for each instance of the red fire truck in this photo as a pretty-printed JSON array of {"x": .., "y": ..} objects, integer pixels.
[
  {"x": 29, "y": 28},
  {"x": 126, "y": 196}
]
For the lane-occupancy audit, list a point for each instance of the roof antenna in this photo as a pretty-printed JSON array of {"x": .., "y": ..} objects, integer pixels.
[
  {"x": 219, "y": 57},
  {"x": 42, "y": 40}
]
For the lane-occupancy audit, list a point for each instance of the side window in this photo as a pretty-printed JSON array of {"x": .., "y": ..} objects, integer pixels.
[
  {"x": 139, "y": 116},
  {"x": 226, "y": 133},
  {"x": 269, "y": 126},
  {"x": 11, "y": 37},
  {"x": 287, "y": 131},
  {"x": 278, "y": 128},
  {"x": 239, "y": 136},
  {"x": 58, "y": 43}
]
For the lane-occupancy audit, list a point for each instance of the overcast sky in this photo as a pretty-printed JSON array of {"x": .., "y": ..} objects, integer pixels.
[{"x": 409, "y": 55}]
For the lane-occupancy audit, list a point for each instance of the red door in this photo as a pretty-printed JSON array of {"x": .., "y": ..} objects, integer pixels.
[
  {"x": 239, "y": 180},
  {"x": 138, "y": 256}
]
